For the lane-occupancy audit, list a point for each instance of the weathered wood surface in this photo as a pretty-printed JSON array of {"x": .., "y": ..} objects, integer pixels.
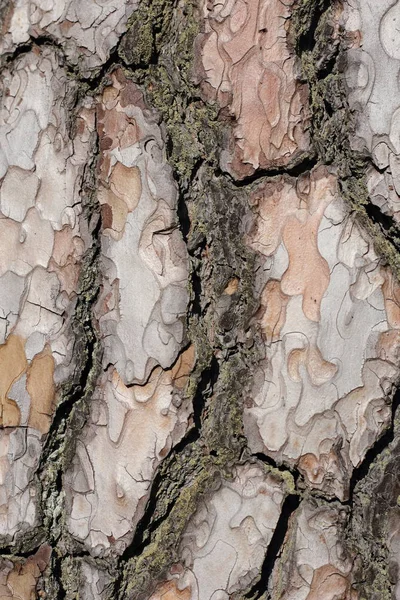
[{"x": 199, "y": 300}]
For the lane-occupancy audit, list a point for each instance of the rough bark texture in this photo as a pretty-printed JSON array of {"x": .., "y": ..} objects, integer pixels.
[{"x": 200, "y": 299}]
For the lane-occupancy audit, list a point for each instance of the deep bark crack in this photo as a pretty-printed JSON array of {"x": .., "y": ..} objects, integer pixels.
[{"x": 260, "y": 589}]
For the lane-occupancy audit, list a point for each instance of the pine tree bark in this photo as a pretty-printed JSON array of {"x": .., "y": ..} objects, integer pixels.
[{"x": 199, "y": 300}]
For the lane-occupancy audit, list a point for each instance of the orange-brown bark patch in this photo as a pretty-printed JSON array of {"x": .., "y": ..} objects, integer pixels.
[
  {"x": 273, "y": 310},
  {"x": 329, "y": 584},
  {"x": 12, "y": 365},
  {"x": 22, "y": 580},
  {"x": 40, "y": 386},
  {"x": 170, "y": 591}
]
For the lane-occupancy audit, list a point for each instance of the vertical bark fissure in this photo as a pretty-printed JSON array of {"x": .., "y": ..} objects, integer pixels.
[
  {"x": 376, "y": 451},
  {"x": 259, "y": 590},
  {"x": 72, "y": 410},
  {"x": 366, "y": 539}
]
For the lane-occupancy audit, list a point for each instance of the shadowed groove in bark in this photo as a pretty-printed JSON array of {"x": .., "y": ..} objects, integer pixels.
[
  {"x": 305, "y": 19},
  {"x": 91, "y": 82},
  {"x": 278, "y": 466},
  {"x": 39, "y": 41},
  {"x": 375, "y": 497},
  {"x": 260, "y": 589},
  {"x": 303, "y": 165},
  {"x": 386, "y": 223},
  {"x": 66, "y": 421},
  {"x": 149, "y": 521},
  {"x": 56, "y": 563},
  {"x": 373, "y": 453}
]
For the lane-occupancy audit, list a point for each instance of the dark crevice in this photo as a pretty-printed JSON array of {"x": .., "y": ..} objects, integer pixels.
[
  {"x": 99, "y": 76},
  {"x": 305, "y": 163},
  {"x": 328, "y": 108},
  {"x": 61, "y": 423},
  {"x": 306, "y": 40},
  {"x": 147, "y": 525},
  {"x": 56, "y": 563},
  {"x": 196, "y": 249},
  {"x": 145, "y": 382},
  {"x": 39, "y": 41},
  {"x": 11, "y": 550},
  {"x": 204, "y": 390},
  {"x": 196, "y": 308},
  {"x": 92, "y": 81},
  {"x": 183, "y": 217},
  {"x": 280, "y": 466},
  {"x": 315, "y": 493},
  {"x": 63, "y": 410},
  {"x": 372, "y": 454},
  {"x": 274, "y": 550},
  {"x": 87, "y": 352},
  {"x": 387, "y": 223},
  {"x": 169, "y": 150}
]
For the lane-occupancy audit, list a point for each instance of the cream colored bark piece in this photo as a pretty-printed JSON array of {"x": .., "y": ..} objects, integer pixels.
[
  {"x": 143, "y": 305},
  {"x": 225, "y": 542},
  {"x": 87, "y": 30},
  {"x": 372, "y": 79},
  {"x": 140, "y": 410},
  {"x": 247, "y": 66},
  {"x": 94, "y": 582},
  {"x": 329, "y": 316},
  {"x": 19, "y": 578},
  {"x": 315, "y": 563},
  {"x": 131, "y": 429},
  {"x": 41, "y": 245}
]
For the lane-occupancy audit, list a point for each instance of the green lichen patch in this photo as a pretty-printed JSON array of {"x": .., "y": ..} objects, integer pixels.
[
  {"x": 387, "y": 244},
  {"x": 223, "y": 419},
  {"x": 323, "y": 58},
  {"x": 226, "y": 270},
  {"x": 305, "y": 16},
  {"x": 74, "y": 395},
  {"x": 218, "y": 212},
  {"x": 332, "y": 124},
  {"x": 141, "y": 574},
  {"x": 331, "y": 120},
  {"x": 146, "y": 31},
  {"x": 375, "y": 504},
  {"x": 167, "y": 31}
]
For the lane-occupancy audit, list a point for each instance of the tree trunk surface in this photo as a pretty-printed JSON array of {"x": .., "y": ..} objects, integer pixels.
[{"x": 200, "y": 299}]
